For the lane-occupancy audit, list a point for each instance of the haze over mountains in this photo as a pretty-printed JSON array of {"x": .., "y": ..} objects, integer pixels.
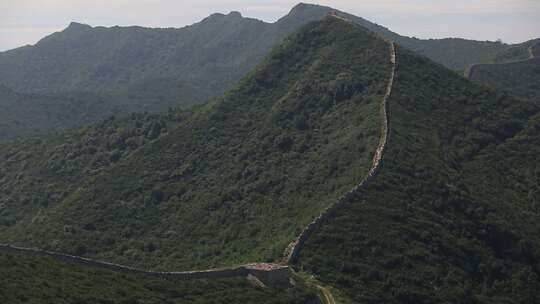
[{"x": 142, "y": 69}]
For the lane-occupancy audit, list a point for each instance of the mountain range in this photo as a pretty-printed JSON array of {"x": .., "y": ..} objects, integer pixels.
[{"x": 135, "y": 69}]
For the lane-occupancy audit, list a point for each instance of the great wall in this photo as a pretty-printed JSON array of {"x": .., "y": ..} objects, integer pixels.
[
  {"x": 291, "y": 252},
  {"x": 272, "y": 274}
]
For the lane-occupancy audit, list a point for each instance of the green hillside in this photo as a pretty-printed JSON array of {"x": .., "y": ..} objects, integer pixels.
[
  {"x": 135, "y": 69},
  {"x": 35, "y": 173},
  {"x": 453, "y": 215},
  {"x": 231, "y": 183},
  {"x": 517, "y": 71},
  {"x": 30, "y": 279}
]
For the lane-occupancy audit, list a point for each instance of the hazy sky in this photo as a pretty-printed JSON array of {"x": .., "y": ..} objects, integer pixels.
[{"x": 26, "y": 21}]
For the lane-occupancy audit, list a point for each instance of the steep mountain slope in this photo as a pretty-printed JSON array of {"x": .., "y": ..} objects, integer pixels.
[
  {"x": 452, "y": 216},
  {"x": 232, "y": 183},
  {"x": 138, "y": 69},
  {"x": 517, "y": 71},
  {"x": 30, "y": 279}
]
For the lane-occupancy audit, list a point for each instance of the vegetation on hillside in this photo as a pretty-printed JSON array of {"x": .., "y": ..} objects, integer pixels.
[
  {"x": 521, "y": 79},
  {"x": 36, "y": 173},
  {"x": 453, "y": 215},
  {"x": 232, "y": 183},
  {"x": 30, "y": 279},
  {"x": 516, "y": 71}
]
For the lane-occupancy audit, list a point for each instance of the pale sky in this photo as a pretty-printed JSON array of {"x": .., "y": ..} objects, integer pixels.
[{"x": 26, "y": 21}]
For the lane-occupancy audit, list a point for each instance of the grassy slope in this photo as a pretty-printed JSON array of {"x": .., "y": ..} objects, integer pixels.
[
  {"x": 453, "y": 215},
  {"x": 236, "y": 181},
  {"x": 30, "y": 279}
]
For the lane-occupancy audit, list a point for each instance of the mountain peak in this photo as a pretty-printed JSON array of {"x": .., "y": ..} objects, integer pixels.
[
  {"x": 220, "y": 16},
  {"x": 302, "y": 7},
  {"x": 235, "y": 14},
  {"x": 78, "y": 26},
  {"x": 304, "y": 12}
]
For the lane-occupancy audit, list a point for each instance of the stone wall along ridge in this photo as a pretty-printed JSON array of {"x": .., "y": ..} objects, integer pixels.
[{"x": 291, "y": 252}]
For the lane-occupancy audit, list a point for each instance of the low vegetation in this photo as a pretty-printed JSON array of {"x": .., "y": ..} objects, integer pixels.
[{"x": 516, "y": 70}]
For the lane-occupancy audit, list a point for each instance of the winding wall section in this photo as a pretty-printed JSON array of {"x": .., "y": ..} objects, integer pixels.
[{"x": 291, "y": 252}]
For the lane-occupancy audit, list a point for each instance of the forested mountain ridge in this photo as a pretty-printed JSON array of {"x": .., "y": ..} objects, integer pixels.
[
  {"x": 516, "y": 70},
  {"x": 135, "y": 69},
  {"x": 221, "y": 47},
  {"x": 452, "y": 216},
  {"x": 233, "y": 182}
]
